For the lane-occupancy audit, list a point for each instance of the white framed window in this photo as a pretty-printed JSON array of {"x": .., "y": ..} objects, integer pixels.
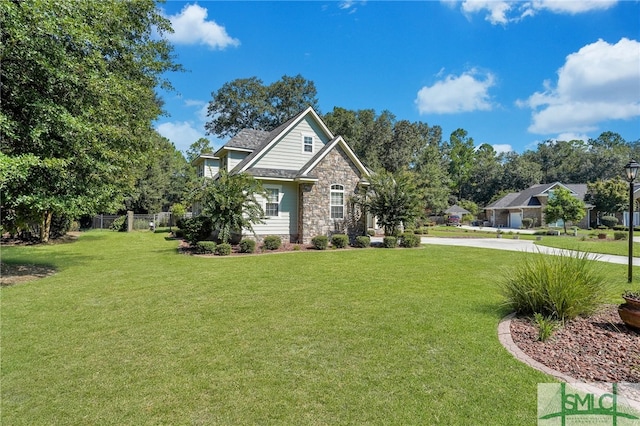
[
  {"x": 272, "y": 202},
  {"x": 337, "y": 202},
  {"x": 307, "y": 143}
]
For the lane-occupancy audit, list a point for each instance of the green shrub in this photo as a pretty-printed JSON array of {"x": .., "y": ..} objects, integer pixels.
[
  {"x": 205, "y": 247},
  {"x": 561, "y": 287},
  {"x": 409, "y": 240},
  {"x": 339, "y": 240},
  {"x": 179, "y": 233},
  {"x": 223, "y": 249},
  {"x": 619, "y": 235},
  {"x": 196, "y": 229},
  {"x": 272, "y": 242},
  {"x": 546, "y": 326},
  {"x": 247, "y": 246},
  {"x": 362, "y": 241},
  {"x": 389, "y": 242},
  {"x": 371, "y": 232},
  {"x": 119, "y": 224},
  {"x": 609, "y": 221},
  {"x": 527, "y": 222},
  {"x": 320, "y": 242}
]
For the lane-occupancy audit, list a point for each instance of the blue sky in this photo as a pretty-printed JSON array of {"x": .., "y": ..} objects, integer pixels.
[{"x": 512, "y": 74}]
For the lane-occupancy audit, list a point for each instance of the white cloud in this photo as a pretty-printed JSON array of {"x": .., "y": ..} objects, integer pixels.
[
  {"x": 500, "y": 148},
  {"x": 503, "y": 12},
  {"x": 191, "y": 27},
  {"x": 572, "y": 137},
  {"x": 599, "y": 82},
  {"x": 496, "y": 10},
  {"x": 181, "y": 133},
  {"x": 463, "y": 93}
]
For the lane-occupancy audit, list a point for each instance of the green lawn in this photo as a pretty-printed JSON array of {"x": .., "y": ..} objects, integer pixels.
[{"x": 130, "y": 332}]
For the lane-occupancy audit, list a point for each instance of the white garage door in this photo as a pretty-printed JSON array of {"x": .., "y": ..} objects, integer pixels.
[{"x": 515, "y": 220}]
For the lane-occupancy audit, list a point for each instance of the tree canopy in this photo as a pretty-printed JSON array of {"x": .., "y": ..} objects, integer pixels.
[
  {"x": 247, "y": 103},
  {"x": 78, "y": 100},
  {"x": 561, "y": 205}
]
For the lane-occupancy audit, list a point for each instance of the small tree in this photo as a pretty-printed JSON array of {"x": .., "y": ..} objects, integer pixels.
[
  {"x": 563, "y": 205},
  {"x": 394, "y": 199},
  {"x": 230, "y": 202}
]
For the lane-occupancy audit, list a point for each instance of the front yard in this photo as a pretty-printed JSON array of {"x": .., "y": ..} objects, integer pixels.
[{"x": 130, "y": 332}]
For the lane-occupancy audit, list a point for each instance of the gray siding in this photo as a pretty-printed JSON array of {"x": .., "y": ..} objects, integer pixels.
[
  {"x": 287, "y": 153},
  {"x": 235, "y": 157}
]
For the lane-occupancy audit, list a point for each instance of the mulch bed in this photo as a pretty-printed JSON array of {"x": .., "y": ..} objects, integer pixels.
[{"x": 600, "y": 348}]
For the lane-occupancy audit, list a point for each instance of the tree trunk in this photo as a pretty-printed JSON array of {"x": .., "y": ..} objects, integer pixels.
[{"x": 45, "y": 227}]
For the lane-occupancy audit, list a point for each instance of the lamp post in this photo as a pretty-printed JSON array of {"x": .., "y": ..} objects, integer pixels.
[{"x": 631, "y": 170}]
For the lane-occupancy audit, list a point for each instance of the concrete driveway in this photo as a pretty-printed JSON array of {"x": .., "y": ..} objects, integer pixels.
[{"x": 526, "y": 246}]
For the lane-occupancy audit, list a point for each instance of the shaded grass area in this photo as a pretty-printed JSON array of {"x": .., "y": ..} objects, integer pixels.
[{"x": 129, "y": 332}]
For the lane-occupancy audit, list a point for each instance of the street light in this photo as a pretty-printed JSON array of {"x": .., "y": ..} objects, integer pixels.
[{"x": 631, "y": 170}]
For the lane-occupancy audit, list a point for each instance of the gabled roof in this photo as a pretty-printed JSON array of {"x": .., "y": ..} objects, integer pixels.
[
  {"x": 337, "y": 141},
  {"x": 530, "y": 197},
  {"x": 247, "y": 139},
  {"x": 273, "y": 136},
  {"x": 456, "y": 209}
]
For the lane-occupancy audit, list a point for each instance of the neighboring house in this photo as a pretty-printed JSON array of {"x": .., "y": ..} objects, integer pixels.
[
  {"x": 308, "y": 173},
  {"x": 457, "y": 210},
  {"x": 509, "y": 210}
]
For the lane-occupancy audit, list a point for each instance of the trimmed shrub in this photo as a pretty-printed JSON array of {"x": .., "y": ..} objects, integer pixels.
[
  {"x": 320, "y": 242},
  {"x": 247, "y": 246},
  {"x": 205, "y": 247},
  {"x": 619, "y": 235},
  {"x": 371, "y": 232},
  {"x": 196, "y": 229},
  {"x": 389, "y": 242},
  {"x": 223, "y": 249},
  {"x": 362, "y": 241},
  {"x": 409, "y": 240},
  {"x": 272, "y": 242},
  {"x": 609, "y": 221},
  {"x": 560, "y": 287},
  {"x": 527, "y": 222},
  {"x": 339, "y": 240}
]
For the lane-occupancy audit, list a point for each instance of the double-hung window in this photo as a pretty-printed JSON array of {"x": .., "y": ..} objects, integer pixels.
[
  {"x": 337, "y": 202},
  {"x": 272, "y": 205},
  {"x": 307, "y": 143}
]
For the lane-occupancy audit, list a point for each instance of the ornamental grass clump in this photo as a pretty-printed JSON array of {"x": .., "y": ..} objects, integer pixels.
[{"x": 561, "y": 287}]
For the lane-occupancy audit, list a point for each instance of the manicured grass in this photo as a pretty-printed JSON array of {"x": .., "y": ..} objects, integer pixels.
[
  {"x": 619, "y": 247},
  {"x": 130, "y": 332}
]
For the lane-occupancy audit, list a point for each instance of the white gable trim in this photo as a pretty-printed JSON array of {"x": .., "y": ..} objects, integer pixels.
[
  {"x": 346, "y": 148},
  {"x": 277, "y": 138},
  {"x": 552, "y": 187}
]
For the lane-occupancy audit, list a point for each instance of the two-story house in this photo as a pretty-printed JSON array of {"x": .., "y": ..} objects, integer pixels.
[{"x": 308, "y": 174}]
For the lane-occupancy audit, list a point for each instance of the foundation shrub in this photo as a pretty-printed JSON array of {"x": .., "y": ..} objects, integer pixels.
[
  {"x": 390, "y": 242},
  {"x": 320, "y": 242},
  {"x": 409, "y": 240},
  {"x": 247, "y": 246},
  {"x": 205, "y": 247},
  {"x": 272, "y": 242},
  {"x": 362, "y": 241},
  {"x": 339, "y": 241},
  {"x": 223, "y": 249}
]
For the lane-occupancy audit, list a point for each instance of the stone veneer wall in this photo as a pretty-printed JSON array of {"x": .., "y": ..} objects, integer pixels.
[{"x": 314, "y": 199}]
